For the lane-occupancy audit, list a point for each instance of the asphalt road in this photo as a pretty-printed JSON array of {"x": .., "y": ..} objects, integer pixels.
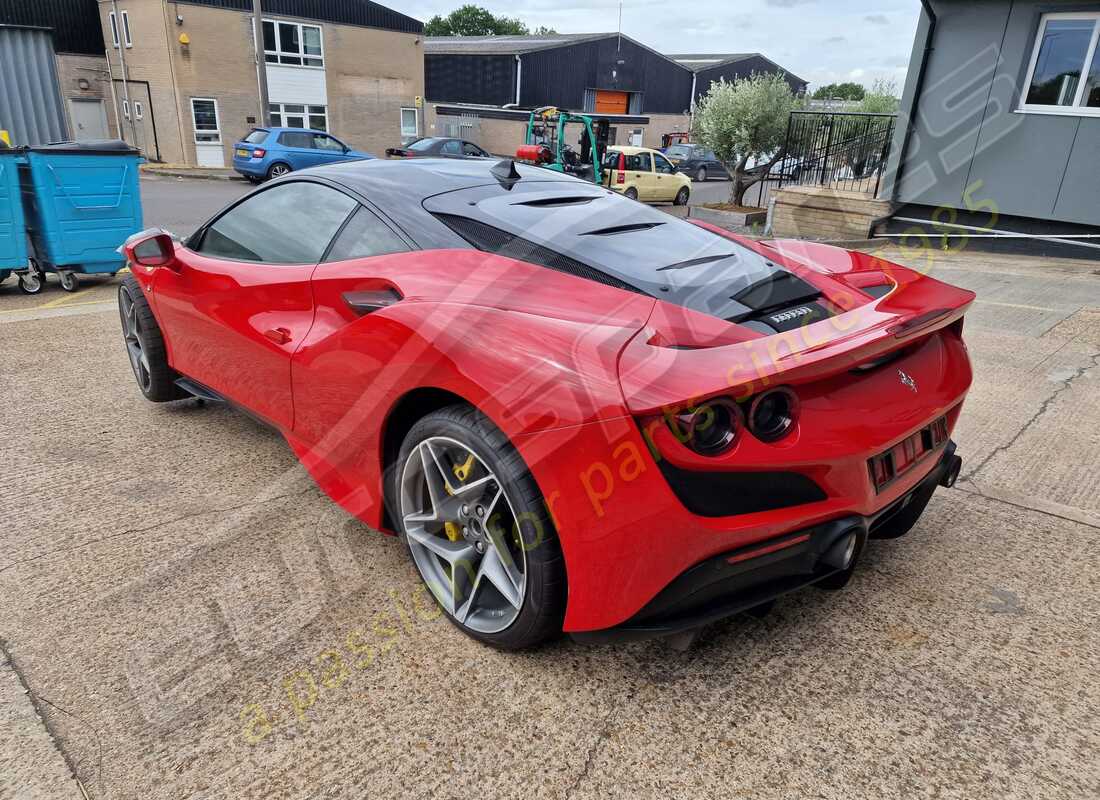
[{"x": 194, "y": 619}]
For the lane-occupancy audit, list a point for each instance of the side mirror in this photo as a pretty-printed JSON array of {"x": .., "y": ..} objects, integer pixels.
[
  {"x": 150, "y": 248},
  {"x": 346, "y": 148}
]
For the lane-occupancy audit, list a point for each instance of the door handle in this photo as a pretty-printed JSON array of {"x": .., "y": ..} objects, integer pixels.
[{"x": 278, "y": 335}]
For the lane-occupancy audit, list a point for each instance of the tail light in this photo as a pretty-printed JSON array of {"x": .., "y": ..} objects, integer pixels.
[
  {"x": 621, "y": 168},
  {"x": 772, "y": 414},
  {"x": 710, "y": 428},
  {"x": 259, "y": 152}
]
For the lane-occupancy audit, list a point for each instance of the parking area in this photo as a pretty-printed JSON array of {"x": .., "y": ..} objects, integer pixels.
[{"x": 191, "y": 616}]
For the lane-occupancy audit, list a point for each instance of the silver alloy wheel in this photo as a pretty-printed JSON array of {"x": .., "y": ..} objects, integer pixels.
[
  {"x": 279, "y": 170},
  {"x": 131, "y": 335},
  {"x": 463, "y": 534}
]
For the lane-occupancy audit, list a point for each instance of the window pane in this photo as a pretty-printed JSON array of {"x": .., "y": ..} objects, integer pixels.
[
  {"x": 295, "y": 121},
  {"x": 290, "y": 60},
  {"x": 206, "y": 119},
  {"x": 256, "y": 136},
  {"x": 294, "y": 139},
  {"x": 451, "y": 148},
  {"x": 327, "y": 143},
  {"x": 114, "y": 29},
  {"x": 318, "y": 123},
  {"x": 1091, "y": 97},
  {"x": 365, "y": 236},
  {"x": 316, "y": 109},
  {"x": 269, "y": 36},
  {"x": 289, "y": 224},
  {"x": 271, "y": 58},
  {"x": 288, "y": 38},
  {"x": 647, "y": 163},
  {"x": 1061, "y": 59},
  {"x": 311, "y": 40},
  {"x": 312, "y": 62},
  {"x": 292, "y": 108}
]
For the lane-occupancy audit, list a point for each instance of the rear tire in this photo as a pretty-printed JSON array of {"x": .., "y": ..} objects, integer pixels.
[
  {"x": 145, "y": 345},
  {"x": 682, "y": 197},
  {"x": 277, "y": 170},
  {"x": 631, "y": 193},
  {"x": 478, "y": 462},
  {"x": 701, "y": 174}
]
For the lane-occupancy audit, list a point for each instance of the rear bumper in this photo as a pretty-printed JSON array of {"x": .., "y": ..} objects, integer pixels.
[
  {"x": 741, "y": 579},
  {"x": 255, "y": 169}
]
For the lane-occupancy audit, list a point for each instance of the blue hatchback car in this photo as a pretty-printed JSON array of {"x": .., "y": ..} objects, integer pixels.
[{"x": 271, "y": 152}]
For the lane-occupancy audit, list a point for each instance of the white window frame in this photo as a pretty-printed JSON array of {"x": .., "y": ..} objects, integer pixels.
[
  {"x": 279, "y": 53},
  {"x": 126, "y": 108},
  {"x": 278, "y": 118},
  {"x": 217, "y": 122},
  {"x": 1074, "y": 109},
  {"x": 113, "y": 24},
  {"x": 115, "y": 32},
  {"x": 401, "y": 123},
  {"x": 139, "y": 111}
]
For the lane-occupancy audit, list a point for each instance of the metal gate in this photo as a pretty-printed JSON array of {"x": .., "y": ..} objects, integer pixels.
[
  {"x": 31, "y": 109},
  {"x": 464, "y": 126}
]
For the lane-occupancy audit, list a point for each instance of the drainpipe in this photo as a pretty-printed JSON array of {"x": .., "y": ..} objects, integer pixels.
[
  {"x": 519, "y": 76},
  {"x": 120, "y": 28},
  {"x": 691, "y": 105},
  {"x": 918, "y": 89},
  {"x": 114, "y": 98}
]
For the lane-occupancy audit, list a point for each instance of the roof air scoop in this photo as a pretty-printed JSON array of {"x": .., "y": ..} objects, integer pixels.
[{"x": 505, "y": 172}]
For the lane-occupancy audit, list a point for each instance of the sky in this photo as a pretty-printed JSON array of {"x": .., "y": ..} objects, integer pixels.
[{"x": 822, "y": 42}]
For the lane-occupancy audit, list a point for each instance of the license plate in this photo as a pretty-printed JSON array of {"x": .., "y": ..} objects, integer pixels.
[
  {"x": 902, "y": 457},
  {"x": 244, "y": 153}
]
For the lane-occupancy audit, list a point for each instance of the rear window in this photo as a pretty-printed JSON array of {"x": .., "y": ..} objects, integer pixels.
[
  {"x": 597, "y": 234},
  {"x": 256, "y": 136}
]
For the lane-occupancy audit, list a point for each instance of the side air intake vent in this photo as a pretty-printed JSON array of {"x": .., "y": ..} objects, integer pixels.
[{"x": 494, "y": 240}]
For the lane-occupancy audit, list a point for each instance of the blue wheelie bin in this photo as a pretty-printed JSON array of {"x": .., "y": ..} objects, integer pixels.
[
  {"x": 13, "y": 234},
  {"x": 82, "y": 200}
]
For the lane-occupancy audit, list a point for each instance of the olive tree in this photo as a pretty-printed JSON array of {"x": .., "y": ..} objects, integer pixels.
[{"x": 745, "y": 124}]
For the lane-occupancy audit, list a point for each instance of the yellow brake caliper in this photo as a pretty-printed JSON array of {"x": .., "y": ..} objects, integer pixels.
[{"x": 461, "y": 471}]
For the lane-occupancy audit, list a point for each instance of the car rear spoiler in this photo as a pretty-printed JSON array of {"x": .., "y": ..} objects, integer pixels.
[{"x": 657, "y": 375}]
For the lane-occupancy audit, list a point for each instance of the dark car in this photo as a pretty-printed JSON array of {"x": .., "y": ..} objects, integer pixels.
[
  {"x": 696, "y": 161},
  {"x": 438, "y": 147}
]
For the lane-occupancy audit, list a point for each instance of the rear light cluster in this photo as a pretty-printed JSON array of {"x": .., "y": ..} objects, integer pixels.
[
  {"x": 259, "y": 152},
  {"x": 621, "y": 169},
  {"x": 715, "y": 425}
]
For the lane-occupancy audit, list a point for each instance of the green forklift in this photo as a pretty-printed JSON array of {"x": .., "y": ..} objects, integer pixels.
[{"x": 547, "y": 143}]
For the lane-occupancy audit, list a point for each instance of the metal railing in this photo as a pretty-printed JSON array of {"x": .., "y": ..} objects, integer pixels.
[{"x": 844, "y": 150}]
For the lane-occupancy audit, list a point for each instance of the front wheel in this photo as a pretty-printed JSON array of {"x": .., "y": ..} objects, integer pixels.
[
  {"x": 631, "y": 193},
  {"x": 478, "y": 530},
  {"x": 682, "y": 197},
  {"x": 701, "y": 175},
  {"x": 145, "y": 345}
]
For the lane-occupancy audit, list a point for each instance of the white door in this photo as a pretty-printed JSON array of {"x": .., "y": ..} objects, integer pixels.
[
  {"x": 208, "y": 136},
  {"x": 89, "y": 119},
  {"x": 636, "y": 137}
]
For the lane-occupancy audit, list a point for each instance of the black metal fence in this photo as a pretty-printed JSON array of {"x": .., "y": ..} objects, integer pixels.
[{"x": 844, "y": 150}]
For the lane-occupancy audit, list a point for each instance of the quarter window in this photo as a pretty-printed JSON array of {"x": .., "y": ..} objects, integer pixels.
[
  {"x": 293, "y": 43},
  {"x": 639, "y": 162},
  {"x": 292, "y": 223},
  {"x": 1064, "y": 75},
  {"x": 365, "y": 235}
]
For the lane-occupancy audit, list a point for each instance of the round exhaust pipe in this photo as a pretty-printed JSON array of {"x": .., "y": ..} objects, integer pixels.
[
  {"x": 843, "y": 551},
  {"x": 951, "y": 473}
]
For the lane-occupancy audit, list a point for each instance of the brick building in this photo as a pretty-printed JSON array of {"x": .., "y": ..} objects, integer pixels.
[{"x": 191, "y": 88}]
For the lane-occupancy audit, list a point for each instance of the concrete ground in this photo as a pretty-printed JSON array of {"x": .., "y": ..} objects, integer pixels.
[{"x": 213, "y": 627}]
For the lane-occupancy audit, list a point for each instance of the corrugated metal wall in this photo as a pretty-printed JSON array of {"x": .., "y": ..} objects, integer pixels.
[{"x": 30, "y": 99}]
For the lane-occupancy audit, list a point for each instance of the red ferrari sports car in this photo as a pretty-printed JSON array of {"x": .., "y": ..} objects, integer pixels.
[{"x": 578, "y": 412}]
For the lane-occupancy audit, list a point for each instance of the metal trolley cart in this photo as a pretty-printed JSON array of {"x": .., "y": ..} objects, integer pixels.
[{"x": 82, "y": 201}]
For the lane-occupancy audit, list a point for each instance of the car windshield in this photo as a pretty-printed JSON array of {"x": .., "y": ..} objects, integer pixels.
[
  {"x": 256, "y": 136},
  {"x": 420, "y": 145},
  {"x": 679, "y": 151}
]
